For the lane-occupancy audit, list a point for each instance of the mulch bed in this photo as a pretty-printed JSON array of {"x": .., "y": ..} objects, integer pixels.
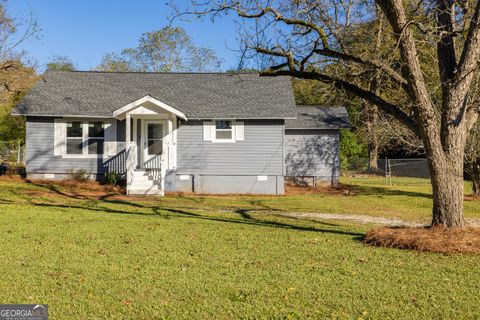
[
  {"x": 433, "y": 239},
  {"x": 71, "y": 184},
  {"x": 89, "y": 189},
  {"x": 11, "y": 178},
  {"x": 341, "y": 190}
]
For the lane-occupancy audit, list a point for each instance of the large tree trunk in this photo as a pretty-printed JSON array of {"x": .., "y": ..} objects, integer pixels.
[
  {"x": 373, "y": 155},
  {"x": 371, "y": 117},
  {"x": 448, "y": 190}
]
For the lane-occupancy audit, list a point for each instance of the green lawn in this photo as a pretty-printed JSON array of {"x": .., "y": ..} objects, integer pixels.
[{"x": 193, "y": 257}]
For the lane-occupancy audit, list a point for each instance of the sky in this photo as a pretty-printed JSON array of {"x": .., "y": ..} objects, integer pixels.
[{"x": 84, "y": 30}]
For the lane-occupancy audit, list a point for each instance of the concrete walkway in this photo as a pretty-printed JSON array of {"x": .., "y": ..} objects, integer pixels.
[
  {"x": 364, "y": 219},
  {"x": 357, "y": 218}
]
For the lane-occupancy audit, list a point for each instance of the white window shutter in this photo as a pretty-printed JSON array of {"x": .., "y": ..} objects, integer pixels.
[
  {"x": 60, "y": 137},
  {"x": 239, "y": 131},
  {"x": 111, "y": 138},
  {"x": 207, "y": 130}
]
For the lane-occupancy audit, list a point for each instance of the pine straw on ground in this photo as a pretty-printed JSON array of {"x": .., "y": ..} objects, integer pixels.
[
  {"x": 71, "y": 184},
  {"x": 293, "y": 189},
  {"x": 433, "y": 239},
  {"x": 88, "y": 189}
]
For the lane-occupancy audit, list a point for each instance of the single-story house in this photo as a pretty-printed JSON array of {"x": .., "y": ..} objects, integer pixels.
[{"x": 185, "y": 132}]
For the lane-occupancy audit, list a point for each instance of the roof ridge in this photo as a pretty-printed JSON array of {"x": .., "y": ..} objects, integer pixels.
[
  {"x": 317, "y": 106},
  {"x": 147, "y": 72}
]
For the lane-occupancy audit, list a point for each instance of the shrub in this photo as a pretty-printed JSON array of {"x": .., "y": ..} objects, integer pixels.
[
  {"x": 80, "y": 175},
  {"x": 3, "y": 168},
  {"x": 352, "y": 151},
  {"x": 19, "y": 170},
  {"x": 112, "y": 178},
  {"x": 12, "y": 169}
]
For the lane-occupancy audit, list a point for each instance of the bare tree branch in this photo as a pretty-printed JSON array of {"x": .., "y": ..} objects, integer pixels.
[
  {"x": 470, "y": 57},
  {"x": 445, "y": 46},
  {"x": 389, "y": 108}
]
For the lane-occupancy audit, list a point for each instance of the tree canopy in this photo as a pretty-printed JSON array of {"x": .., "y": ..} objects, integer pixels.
[
  {"x": 15, "y": 76},
  {"x": 60, "y": 63},
  {"x": 166, "y": 50}
]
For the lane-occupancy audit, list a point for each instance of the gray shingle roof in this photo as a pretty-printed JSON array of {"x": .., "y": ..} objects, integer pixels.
[
  {"x": 197, "y": 95},
  {"x": 318, "y": 117}
]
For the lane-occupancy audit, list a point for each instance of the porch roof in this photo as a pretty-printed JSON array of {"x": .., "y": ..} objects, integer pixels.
[
  {"x": 147, "y": 100},
  {"x": 195, "y": 95}
]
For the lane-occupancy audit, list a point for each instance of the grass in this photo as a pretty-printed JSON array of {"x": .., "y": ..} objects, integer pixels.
[
  {"x": 187, "y": 257},
  {"x": 407, "y": 199}
]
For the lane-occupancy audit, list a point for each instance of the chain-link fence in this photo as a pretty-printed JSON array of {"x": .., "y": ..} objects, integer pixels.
[
  {"x": 412, "y": 168},
  {"x": 405, "y": 168},
  {"x": 394, "y": 168},
  {"x": 12, "y": 152}
]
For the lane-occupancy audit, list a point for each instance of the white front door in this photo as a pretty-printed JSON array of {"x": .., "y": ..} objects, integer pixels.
[{"x": 153, "y": 134}]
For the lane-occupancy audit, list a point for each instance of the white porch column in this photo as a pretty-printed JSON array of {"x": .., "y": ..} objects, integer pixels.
[
  {"x": 129, "y": 152},
  {"x": 172, "y": 142},
  {"x": 128, "y": 130}
]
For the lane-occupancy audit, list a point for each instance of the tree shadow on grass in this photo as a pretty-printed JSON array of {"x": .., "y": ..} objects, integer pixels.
[
  {"x": 5, "y": 201},
  {"x": 80, "y": 196},
  {"x": 260, "y": 203},
  {"x": 168, "y": 213},
  {"x": 190, "y": 198}
]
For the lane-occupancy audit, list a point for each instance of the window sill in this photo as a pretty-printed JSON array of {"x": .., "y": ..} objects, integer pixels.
[
  {"x": 224, "y": 141},
  {"x": 84, "y": 156}
]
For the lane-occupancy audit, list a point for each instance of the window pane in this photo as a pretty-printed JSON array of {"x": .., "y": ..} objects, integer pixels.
[
  {"x": 74, "y": 146},
  {"x": 223, "y": 124},
  {"x": 155, "y": 131},
  {"x": 74, "y": 129},
  {"x": 224, "y": 134},
  {"x": 95, "y": 146},
  {"x": 95, "y": 130},
  {"x": 155, "y": 147}
]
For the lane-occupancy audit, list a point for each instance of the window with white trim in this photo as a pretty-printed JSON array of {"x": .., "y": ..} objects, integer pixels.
[
  {"x": 224, "y": 130},
  {"x": 74, "y": 137},
  {"x": 85, "y": 138},
  {"x": 96, "y": 137}
]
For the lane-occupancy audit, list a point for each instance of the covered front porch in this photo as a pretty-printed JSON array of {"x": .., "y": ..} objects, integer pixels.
[{"x": 150, "y": 144}]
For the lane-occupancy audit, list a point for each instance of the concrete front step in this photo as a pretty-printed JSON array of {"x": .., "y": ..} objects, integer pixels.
[
  {"x": 143, "y": 183},
  {"x": 142, "y": 174},
  {"x": 143, "y": 187},
  {"x": 144, "y": 192}
]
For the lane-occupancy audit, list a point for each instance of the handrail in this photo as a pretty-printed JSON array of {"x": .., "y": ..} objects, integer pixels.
[{"x": 156, "y": 166}]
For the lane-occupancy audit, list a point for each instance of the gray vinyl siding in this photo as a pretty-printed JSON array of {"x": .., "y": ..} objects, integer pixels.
[
  {"x": 260, "y": 153},
  {"x": 216, "y": 184},
  {"x": 312, "y": 153},
  {"x": 41, "y": 159},
  {"x": 211, "y": 184}
]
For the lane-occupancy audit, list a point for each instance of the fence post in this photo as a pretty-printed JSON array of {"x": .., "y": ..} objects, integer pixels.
[
  {"x": 386, "y": 170},
  {"x": 19, "y": 152},
  {"x": 389, "y": 172}
]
